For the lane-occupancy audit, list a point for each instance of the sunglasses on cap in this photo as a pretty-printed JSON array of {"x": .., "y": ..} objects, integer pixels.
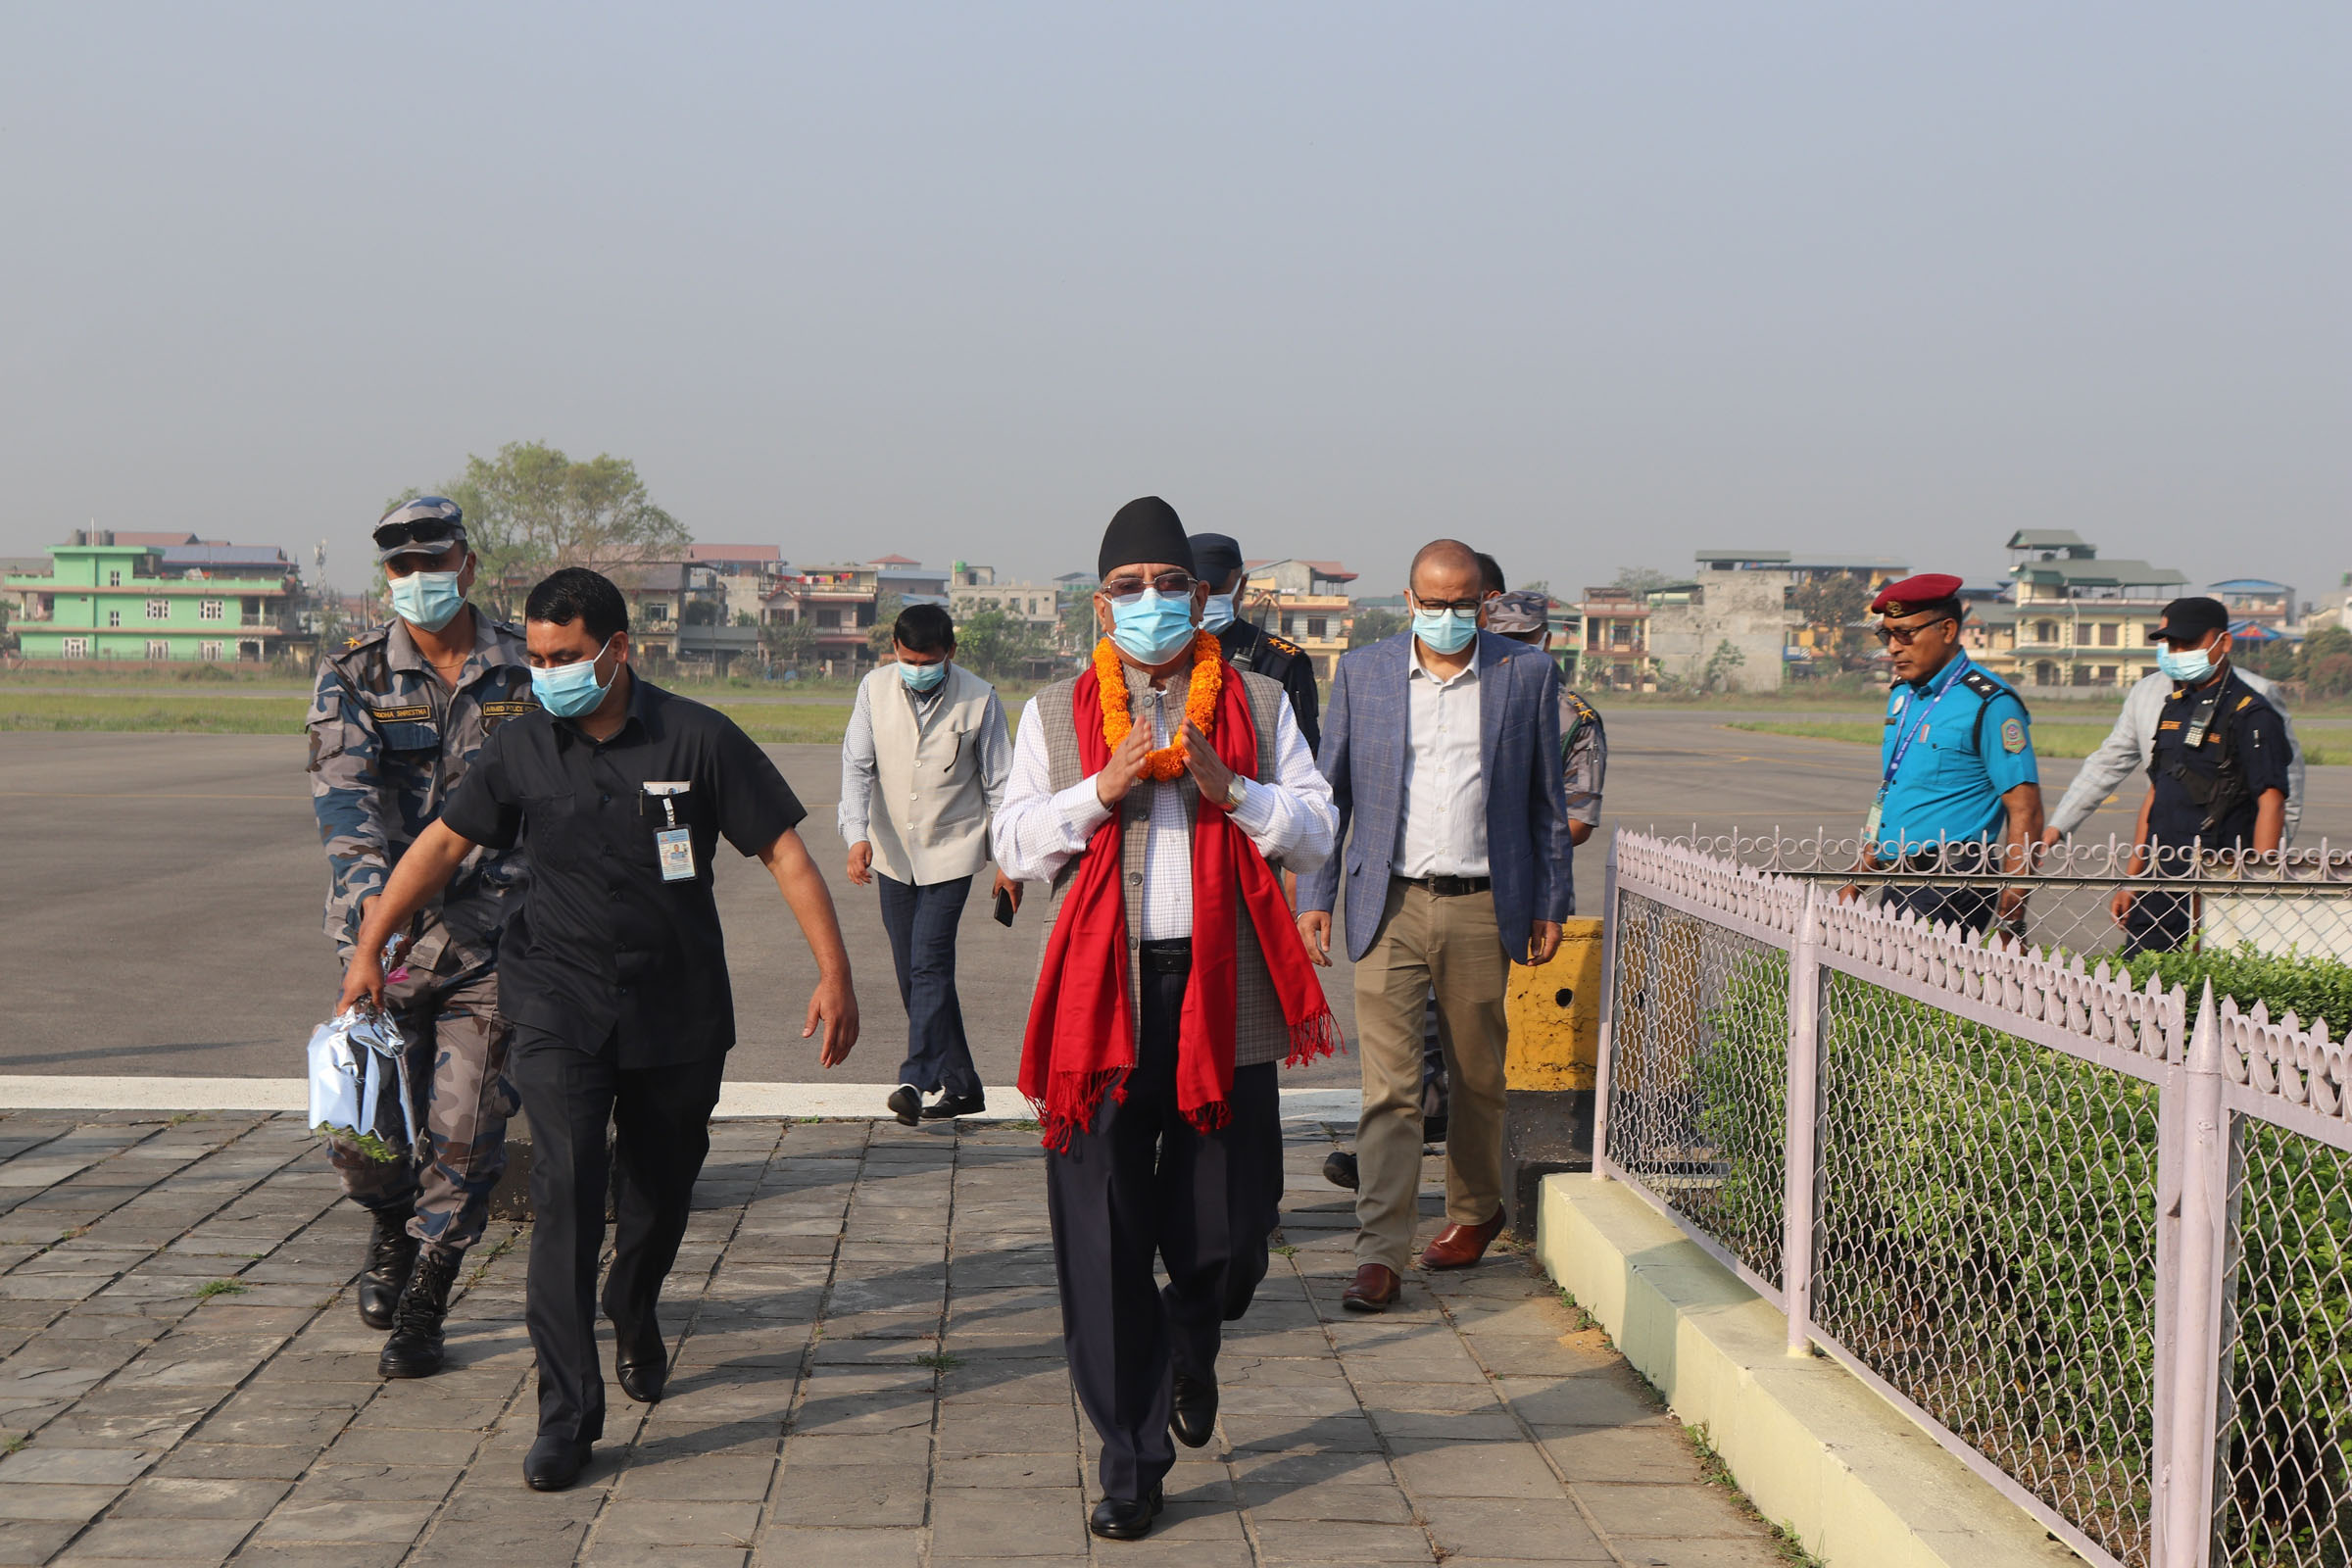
[{"x": 433, "y": 533}]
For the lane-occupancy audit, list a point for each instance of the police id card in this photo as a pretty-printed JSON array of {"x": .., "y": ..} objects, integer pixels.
[{"x": 674, "y": 845}]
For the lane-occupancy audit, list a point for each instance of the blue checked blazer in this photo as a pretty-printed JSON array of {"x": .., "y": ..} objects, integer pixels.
[{"x": 1364, "y": 740}]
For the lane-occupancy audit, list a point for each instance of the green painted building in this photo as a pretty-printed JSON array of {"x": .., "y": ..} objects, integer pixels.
[{"x": 160, "y": 597}]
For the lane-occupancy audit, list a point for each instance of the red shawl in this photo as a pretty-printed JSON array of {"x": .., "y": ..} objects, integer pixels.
[{"x": 1080, "y": 1040}]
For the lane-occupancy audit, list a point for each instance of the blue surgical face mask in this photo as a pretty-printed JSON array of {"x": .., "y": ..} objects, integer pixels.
[
  {"x": 2188, "y": 666},
  {"x": 1448, "y": 631},
  {"x": 1218, "y": 614},
  {"x": 569, "y": 689},
  {"x": 1151, "y": 629},
  {"x": 922, "y": 677},
  {"x": 428, "y": 599}
]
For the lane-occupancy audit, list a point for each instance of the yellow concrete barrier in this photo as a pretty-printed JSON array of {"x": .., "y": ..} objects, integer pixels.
[{"x": 1555, "y": 1012}]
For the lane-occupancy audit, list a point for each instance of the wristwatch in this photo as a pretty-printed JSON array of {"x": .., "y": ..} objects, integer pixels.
[{"x": 1236, "y": 793}]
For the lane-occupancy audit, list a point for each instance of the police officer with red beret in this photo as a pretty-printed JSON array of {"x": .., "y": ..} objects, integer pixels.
[{"x": 1958, "y": 790}]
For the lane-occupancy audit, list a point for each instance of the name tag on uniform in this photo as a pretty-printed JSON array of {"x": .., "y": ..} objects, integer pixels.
[{"x": 674, "y": 845}]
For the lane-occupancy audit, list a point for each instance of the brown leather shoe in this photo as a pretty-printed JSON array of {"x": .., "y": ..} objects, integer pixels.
[
  {"x": 1374, "y": 1287},
  {"x": 1460, "y": 1246}
]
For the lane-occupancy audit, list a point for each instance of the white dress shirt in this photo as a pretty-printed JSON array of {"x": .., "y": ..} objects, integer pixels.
[
  {"x": 2128, "y": 747},
  {"x": 1036, "y": 831},
  {"x": 1442, "y": 830}
]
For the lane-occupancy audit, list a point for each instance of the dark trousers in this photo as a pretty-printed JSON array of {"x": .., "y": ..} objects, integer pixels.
[
  {"x": 921, "y": 919},
  {"x": 660, "y": 1118},
  {"x": 2158, "y": 922},
  {"x": 1141, "y": 1182},
  {"x": 1970, "y": 908}
]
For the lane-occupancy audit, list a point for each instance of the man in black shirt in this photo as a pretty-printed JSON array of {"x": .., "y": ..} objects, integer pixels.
[
  {"x": 613, "y": 973},
  {"x": 1248, "y": 645},
  {"x": 2217, "y": 775}
]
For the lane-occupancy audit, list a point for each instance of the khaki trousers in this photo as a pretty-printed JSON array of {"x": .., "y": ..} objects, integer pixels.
[{"x": 1447, "y": 945}]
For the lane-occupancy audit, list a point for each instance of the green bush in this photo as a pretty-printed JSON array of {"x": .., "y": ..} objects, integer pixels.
[{"x": 1987, "y": 1243}]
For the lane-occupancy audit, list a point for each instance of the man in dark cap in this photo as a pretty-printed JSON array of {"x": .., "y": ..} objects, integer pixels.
[
  {"x": 1248, "y": 645},
  {"x": 1156, "y": 793},
  {"x": 2218, "y": 778},
  {"x": 1956, "y": 763}
]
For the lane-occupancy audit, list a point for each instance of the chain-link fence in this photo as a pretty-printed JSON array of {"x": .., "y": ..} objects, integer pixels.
[{"x": 2091, "y": 1222}]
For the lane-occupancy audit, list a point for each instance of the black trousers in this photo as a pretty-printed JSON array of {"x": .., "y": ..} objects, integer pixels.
[
  {"x": 1142, "y": 1183},
  {"x": 660, "y": 1118},
  {"x": 921, "y": 919}
]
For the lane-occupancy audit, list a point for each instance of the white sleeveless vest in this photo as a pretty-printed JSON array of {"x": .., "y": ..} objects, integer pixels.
[{"x": 929, "y": 819}]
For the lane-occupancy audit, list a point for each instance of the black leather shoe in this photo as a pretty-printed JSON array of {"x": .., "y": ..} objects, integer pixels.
[
  {"x": 1193, "y": 1411},
  {"x": 1338, "y": 1169},
  {"x": 555, "y": 1463},
  {"x": 907, "y": 1103},
  {"x": 950, "y": 1106},
  {"x": 391, "y": 1260},
  {"x": 414, "y": 1349},
  {"x": 642, "y": 1362},
  {"x": 1127, "y": 1518}
]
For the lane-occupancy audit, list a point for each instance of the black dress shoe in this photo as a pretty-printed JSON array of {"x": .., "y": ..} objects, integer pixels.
[
  {"x": 555, "y": 1463},
  {"x": 391, "y": 1260},
  {"x": 907, "y": 1103},
  {"x": 1127, "y": 1518},
  {"x": 1193, "y": 1411},
  {"x": 641, "y": 1362},
  {"x": 950, "y": 1106},
  {"x": 1338, "y": 1169}
]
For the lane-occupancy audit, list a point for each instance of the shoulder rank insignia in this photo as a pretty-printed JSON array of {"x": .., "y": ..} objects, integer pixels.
[
  {"x": 1984, "y": 685},
  {"x": 1283, "y": 645},
  {"x": 2013, "y": 735},
  {"x": 351, "y": 642},
  {"x": 2246, "y": 702}
]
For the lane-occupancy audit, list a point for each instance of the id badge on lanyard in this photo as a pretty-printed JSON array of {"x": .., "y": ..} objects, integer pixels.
[
  {"x": 674, "y": 845},
  {"x": 1903, "y": 748}
]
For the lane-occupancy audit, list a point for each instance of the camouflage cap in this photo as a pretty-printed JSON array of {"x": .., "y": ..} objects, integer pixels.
[
  {"x": 1524, "y": 613},
  {"x": 426, "y": 525}
]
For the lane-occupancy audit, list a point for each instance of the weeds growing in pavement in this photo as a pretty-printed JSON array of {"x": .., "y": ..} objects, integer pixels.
[
  {"x": 940, "y": 1360},
  {"x": 211, "y": 1288},
  {"x": 1716, "y": 1473}
]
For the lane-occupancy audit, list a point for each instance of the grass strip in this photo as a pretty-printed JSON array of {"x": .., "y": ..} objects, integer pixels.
[
  {"x": 100, "y": 713},
  {"x": 2049, "y": 740}
]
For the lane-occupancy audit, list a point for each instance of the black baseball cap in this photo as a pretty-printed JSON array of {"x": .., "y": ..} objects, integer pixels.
[
  {"x": 1215, "y": 557},
  {"x": 2191, "y": 620}
]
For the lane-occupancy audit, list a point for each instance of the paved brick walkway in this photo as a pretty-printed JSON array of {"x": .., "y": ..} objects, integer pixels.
[{"x": 869, "y": 1373}]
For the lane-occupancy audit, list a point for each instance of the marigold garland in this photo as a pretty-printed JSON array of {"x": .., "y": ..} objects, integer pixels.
[{"x": 1199, "y": 701}]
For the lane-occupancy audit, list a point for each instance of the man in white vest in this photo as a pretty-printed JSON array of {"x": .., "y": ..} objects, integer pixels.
[{"x": 922, "y": 770}]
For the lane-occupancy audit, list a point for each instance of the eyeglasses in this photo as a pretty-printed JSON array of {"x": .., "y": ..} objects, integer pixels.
[
  {"x": 1906, "y": 635},
  {"x": 1436, "y": 606},
  {"x": 434, "y": 531},
  {"x": 1126, "y": 590}
]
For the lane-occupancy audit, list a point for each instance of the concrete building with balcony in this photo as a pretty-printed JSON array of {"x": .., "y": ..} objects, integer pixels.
[
  {"x": 1304, "y": 601},
  {"x": 974, "y": 590},
  {"x": 913, "y": 582},
  {"x": 744, "y": 574},
  {"x": 162, "y": 597},
  {"x": 837, "y": 604},
  {"x": 1613, "y": 652},
  {"x": 1731, "y": 629},
  {"x": 2267, "y": 604},
  {"x": 2083, "y": 623}
]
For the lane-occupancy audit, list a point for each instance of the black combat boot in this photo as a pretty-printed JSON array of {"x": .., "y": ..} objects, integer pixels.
[
  {"x": 414, "y": 1348},
  {"x": 391, "y": 1260}
]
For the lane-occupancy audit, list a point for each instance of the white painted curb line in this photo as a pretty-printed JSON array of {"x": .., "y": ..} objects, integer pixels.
[{"x": 834, "y": 1101}]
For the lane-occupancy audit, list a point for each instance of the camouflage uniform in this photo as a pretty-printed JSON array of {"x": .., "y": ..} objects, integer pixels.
[
  {"x": 1585, "y": 756},
  {"x": 388, "y": 743}
]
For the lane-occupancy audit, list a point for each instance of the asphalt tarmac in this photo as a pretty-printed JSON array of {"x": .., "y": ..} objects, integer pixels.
[{"x": 160, "y": 898}]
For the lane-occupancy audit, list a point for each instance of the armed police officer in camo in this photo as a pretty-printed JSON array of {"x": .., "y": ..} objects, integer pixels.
[{"x": 398, "y": 716}]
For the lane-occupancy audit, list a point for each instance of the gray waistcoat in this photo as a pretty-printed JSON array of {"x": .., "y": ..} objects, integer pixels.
[{"x": 1259, "y": 1033}]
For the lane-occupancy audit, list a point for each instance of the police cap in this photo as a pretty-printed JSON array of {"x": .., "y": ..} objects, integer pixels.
[
  {"x": 1929, "y": 590},
  {"x": 1524, "y": 613},
  {"x": 1215, "y": 557},
  {"x": 426, "y": 525},
  {"x": 2191, "y": 620}
]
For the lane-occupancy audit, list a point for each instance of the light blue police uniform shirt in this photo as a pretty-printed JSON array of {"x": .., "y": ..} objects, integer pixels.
[{"x": 1976, "y": 744}]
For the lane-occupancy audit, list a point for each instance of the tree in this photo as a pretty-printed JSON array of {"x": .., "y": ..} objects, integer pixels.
[
  {"x": 1078, "y": 630},
  {"x": 788, "y": 642},
  {"x": 531, "y": 509},
  {"x": 2325, "y": 663},
  {"x": 1641, "y": 579},
  {"x": 1373, "y": 627},
  {"x": 1717, "y": 676},
  {"x": 2275, "y": 657},
  {"x": 887, "y": 605},
  {"x": 1831, "y": 606},
  {"x": 993, "y": 643}
]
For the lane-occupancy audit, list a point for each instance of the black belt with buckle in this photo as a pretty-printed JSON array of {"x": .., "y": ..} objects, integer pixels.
[
  {"x": 1452, "y": 887},
  {"x": 1173, "y": 955}
]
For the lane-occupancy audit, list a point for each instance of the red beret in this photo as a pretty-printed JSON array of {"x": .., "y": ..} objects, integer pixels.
[{"x": 1913, "y": 594}]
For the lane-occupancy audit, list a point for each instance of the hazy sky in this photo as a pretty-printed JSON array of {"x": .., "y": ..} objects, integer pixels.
[{"x": 1591, "y": 286}]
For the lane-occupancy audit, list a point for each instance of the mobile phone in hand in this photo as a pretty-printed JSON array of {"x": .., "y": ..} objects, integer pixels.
[{"x": 1004, "y": 908}]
